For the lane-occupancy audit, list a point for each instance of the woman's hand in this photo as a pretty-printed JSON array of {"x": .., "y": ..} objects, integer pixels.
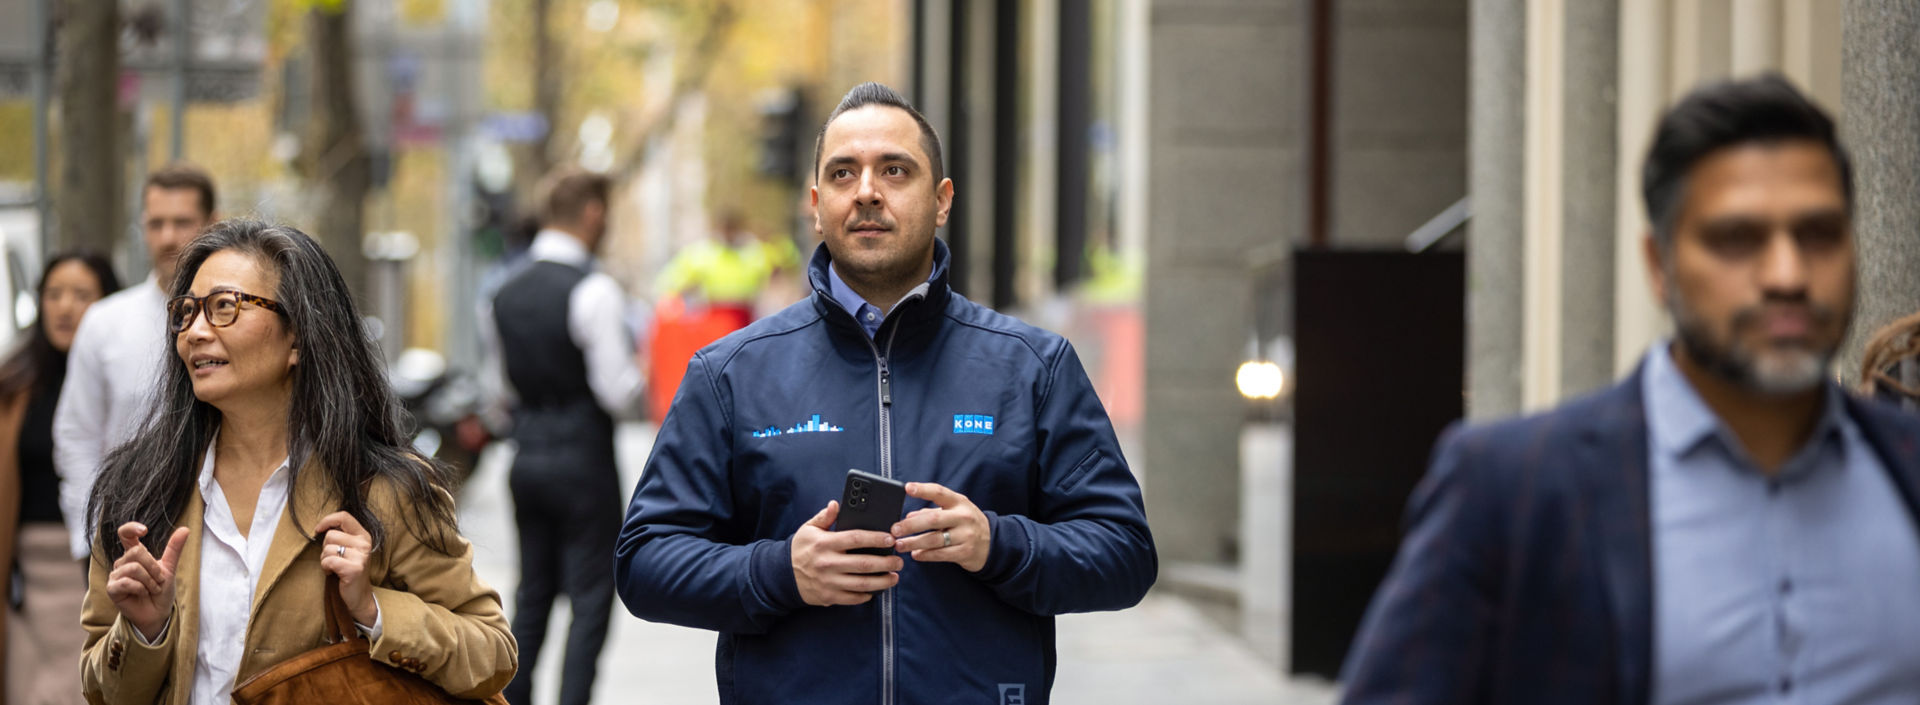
[
  {"x": 344, "y": 554},
  {"x": 140, "y": 586}
]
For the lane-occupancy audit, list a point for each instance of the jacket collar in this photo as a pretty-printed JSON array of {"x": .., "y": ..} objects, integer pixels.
[
  {"x": 186, "y": 620},
  {"x": 1891, "y": 433},
  {"x": 1612, "y": 472},
  {"x": 911, "y": 315},
  {"x": 309, "y": 500}
]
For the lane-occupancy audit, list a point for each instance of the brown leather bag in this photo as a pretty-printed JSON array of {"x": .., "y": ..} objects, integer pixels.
[{"x": 343, "y": 672}]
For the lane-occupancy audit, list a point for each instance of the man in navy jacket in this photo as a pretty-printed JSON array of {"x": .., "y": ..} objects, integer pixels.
[
  {"x": 1020, "y": 505},
  {"x": 1726, "y": 526}
]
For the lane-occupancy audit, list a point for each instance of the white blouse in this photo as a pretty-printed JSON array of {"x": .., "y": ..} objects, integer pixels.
[{"x": 230, "y": 568}]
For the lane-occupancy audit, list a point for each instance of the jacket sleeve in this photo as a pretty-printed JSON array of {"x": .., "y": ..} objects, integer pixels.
[
  {"x": 673, "y": 563},
  {"x": 117, "y": 667},
  {"x": 440, "y": 617},
  {"x": 1425, "y": 638},
  {"x": 1086, "y": 546}
]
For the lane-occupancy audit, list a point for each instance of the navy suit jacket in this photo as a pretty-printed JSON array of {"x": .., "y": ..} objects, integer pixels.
[{"x": 1526, "y": 572}]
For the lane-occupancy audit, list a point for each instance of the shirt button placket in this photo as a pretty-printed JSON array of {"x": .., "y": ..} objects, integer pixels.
[{"x": 1787, "y": 639}]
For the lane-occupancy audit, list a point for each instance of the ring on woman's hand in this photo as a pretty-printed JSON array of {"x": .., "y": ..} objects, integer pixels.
[
  {"x": 340, "y": 551},
  {"x": 946, "y": 539}
]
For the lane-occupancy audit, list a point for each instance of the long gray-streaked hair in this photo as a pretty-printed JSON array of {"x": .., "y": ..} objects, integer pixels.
[{"x": 343, "y": 414}]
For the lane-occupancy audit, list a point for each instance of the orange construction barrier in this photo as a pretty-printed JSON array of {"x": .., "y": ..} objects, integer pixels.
[{"x": 678, "y": 333}]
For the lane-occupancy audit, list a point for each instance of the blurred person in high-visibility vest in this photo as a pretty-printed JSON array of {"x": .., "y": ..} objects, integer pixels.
[
  {"x": 711, "y": 288},
  {"x": 726, "y": 274}
]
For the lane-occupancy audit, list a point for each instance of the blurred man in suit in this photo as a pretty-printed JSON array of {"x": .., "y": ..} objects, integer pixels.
[{"x": 1725, "y": 526}]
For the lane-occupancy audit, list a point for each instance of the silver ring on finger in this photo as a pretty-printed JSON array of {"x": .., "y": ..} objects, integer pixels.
[
  {"x": 340, "y": 551},
  {"x": 946, "y": 539}
]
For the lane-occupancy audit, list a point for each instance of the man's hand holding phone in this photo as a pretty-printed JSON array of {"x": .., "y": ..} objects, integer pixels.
[
  {"x": 951, "y": 531},
  {"x": 826, "y": 570}
]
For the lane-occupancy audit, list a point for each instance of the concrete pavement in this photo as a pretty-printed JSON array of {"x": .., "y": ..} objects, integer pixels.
[{"x": 1162, "y": 651}]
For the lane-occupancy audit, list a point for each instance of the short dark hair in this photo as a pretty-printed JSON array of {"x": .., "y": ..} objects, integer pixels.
[
  {"x": 569, "y": 190},
  {"x": 1727, "y": 114},
  {"x": 181, "y": 175},
  {"x": 871, "y": 93}
]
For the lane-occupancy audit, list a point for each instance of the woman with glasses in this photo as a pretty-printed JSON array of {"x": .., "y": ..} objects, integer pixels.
[
  {"x": 44, "y": 596},
  {"x": 272, "y": 461}
]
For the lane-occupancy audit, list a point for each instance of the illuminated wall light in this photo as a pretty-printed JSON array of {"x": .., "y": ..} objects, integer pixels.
[{"x": 1259, "y": 379}]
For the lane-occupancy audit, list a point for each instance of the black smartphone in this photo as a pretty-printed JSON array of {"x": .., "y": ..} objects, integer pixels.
[{"x": 872, "y": 503}]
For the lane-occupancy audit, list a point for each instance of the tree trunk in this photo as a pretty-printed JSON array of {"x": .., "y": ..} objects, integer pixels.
[
  {"x": 87, "y": 200},
  {"x": 337, "y": 166},
  {"x": 546, "y": 85}
]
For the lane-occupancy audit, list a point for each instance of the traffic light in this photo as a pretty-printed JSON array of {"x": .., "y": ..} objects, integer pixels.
[{"x": 783, "y": 133}]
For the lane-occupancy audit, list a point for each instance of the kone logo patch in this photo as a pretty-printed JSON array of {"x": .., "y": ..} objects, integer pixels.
[
  {"x": 973, "y": 423},
  {"x": 813, "y": 425}
]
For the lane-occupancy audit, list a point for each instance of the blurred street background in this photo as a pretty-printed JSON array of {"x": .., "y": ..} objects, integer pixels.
[{"x": 1292, "y": 239}]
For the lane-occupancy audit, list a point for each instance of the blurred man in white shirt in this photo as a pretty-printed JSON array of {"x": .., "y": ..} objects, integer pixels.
[{"x": 115, "y": 360}]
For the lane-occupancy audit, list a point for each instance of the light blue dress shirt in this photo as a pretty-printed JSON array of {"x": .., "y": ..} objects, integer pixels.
[
  {"x": 1802, "y": 588},
  {"x": 867, "y": 314}
]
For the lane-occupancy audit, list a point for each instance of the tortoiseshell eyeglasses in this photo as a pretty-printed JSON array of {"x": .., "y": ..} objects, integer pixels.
[{"x": 222, "y": 308}]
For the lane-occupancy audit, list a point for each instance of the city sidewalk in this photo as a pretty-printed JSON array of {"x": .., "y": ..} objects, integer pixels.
[{"x": 1163, "y": 651}]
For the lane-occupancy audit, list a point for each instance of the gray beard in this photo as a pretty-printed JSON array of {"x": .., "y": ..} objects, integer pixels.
[{"x": 1799, "y": 372}]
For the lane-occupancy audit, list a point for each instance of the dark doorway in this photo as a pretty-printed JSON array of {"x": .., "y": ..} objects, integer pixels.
[{"x": 1379, "y": 359}]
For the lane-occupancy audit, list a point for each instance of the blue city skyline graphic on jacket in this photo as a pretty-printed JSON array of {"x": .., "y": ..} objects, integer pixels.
[{"x": 813, "y": 425}]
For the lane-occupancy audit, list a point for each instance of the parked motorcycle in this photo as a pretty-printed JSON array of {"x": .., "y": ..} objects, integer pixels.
[{"x": 445, "y": 405}]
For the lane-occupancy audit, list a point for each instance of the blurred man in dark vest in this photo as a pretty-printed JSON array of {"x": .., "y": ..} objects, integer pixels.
[{"x": 564, "y": 365}]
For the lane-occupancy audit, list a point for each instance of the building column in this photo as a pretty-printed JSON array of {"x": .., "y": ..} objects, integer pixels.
[
  {"x": 1497, "y": 111},
  {"x": 1756, "y": 37},
  {"x": 1542, "y": 241},
  {"x": 1643, "y": 72},
  {"x": 1590, "y": 73},
  {"x": 1227, "y": 85},
  {"x": 1880, "y": 92}
]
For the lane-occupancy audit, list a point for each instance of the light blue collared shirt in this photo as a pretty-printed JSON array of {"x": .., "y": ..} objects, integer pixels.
[
  {"x": 867, "y": 314},
  {"x": 1802, "y": 588}
]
